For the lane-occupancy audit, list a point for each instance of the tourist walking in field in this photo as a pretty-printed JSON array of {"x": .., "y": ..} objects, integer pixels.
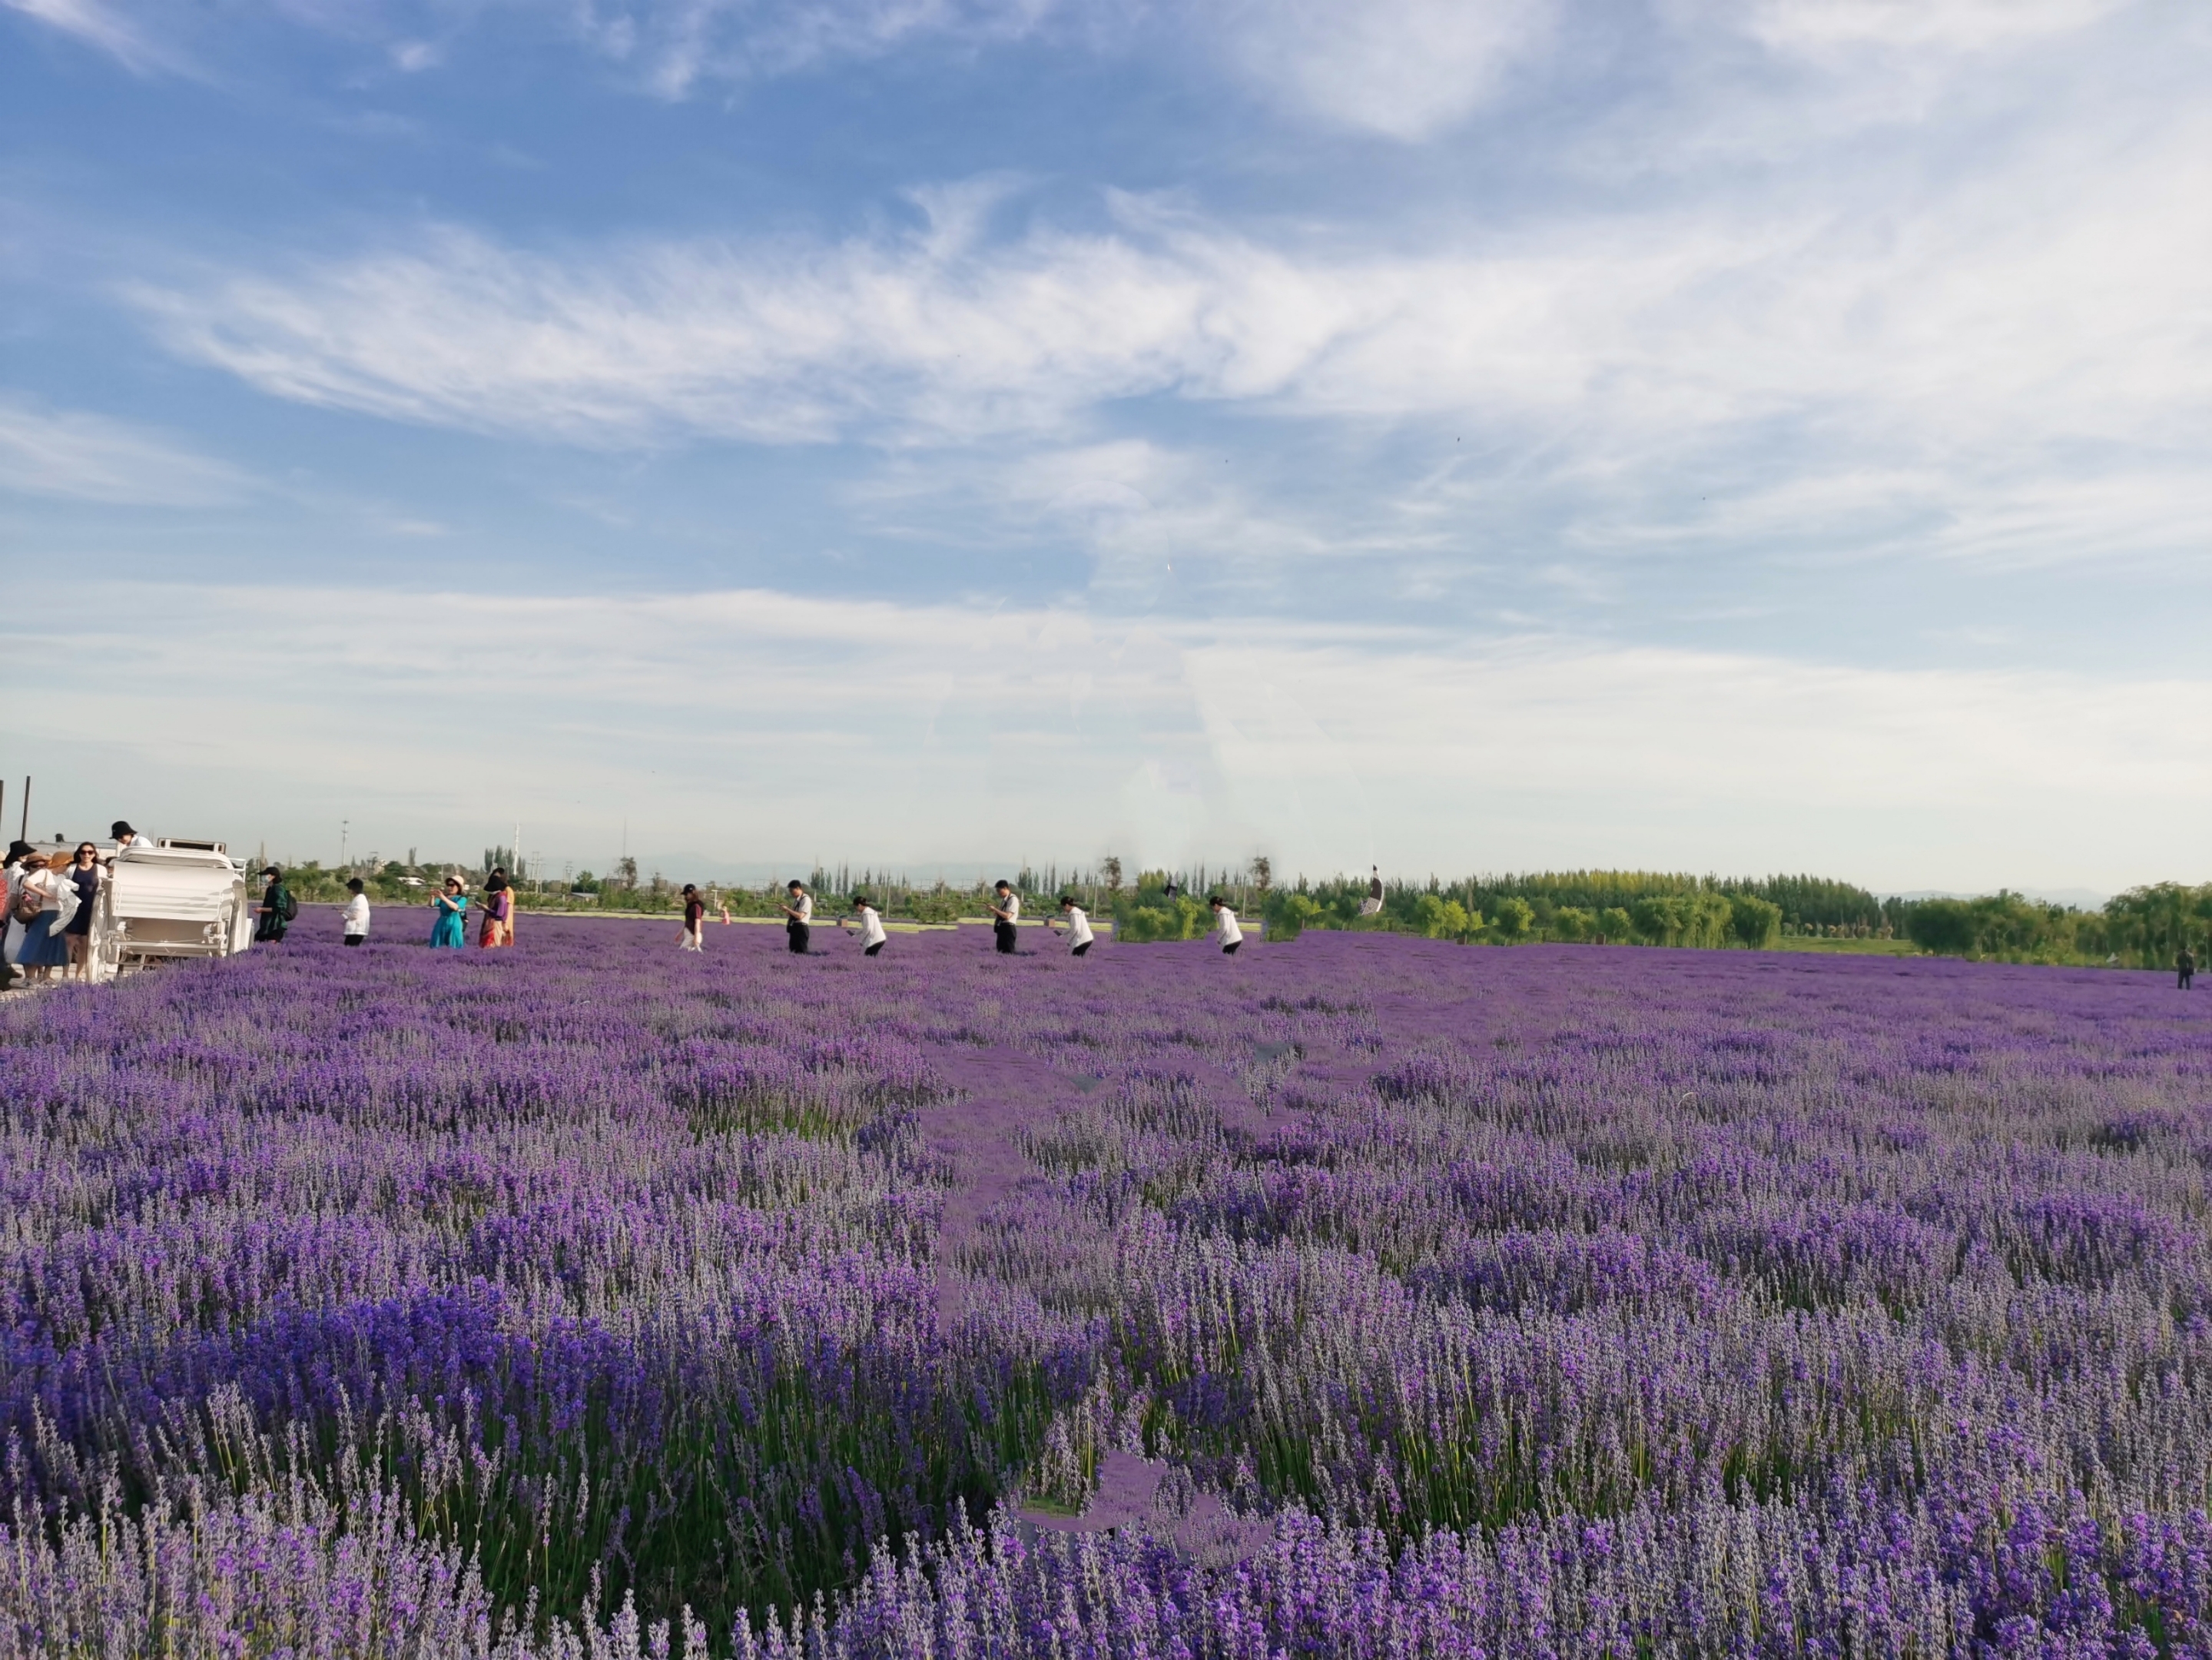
[
  {"x": 1079, "y": 925},
  {"x": 2185, "y": 967},
  {"x": 1373, "y": 904},
  {"x": 447, "y": 931},
  {"x": 798, "y": 917},
  {"x": 1005, "y": 911},
  {"x": 84, "y": 875},
  {"x": 498, "y": 928},
  {"x": 42, "y": 898},
  {"x": 277, "y": 909},
  {"x": 871, "y": 926},
  {"x": 1225, "y": 926},
  {"x": 356, "y": 913},
  {"x": 695, "y": 919}
]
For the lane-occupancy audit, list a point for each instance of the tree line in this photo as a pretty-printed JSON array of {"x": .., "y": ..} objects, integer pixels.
[{"x": 2145, "y": 926}]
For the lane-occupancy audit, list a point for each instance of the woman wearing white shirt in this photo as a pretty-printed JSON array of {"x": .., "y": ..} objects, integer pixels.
[
  {"x": 356, "y": 913},
  {"x": 871, "y": 926},
  {"x": 43, "y": 947},
  {"x": 1079, "y": 925},
  {"x": 1225, "y": 926},
  {"x": 801, "y": 913}
]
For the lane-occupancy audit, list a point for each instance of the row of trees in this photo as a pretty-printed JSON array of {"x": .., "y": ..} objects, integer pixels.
[
  {"x": 1679, "y": 915},
  {"x": 2144, "y": 927}
]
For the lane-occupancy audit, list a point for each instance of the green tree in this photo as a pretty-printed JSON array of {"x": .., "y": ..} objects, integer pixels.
[
  {"x": 1756, "y": 921},
  {"x": 1290, "y": 915},
  {"x": 1513, "y": 918},
  {"x": 1443, "y": 919},
  {"x": 1657, "y": 918},
  {"x": 1614, "y": 923},
  {"x": 1572, "y": 923},
  {"x": 1945, "y": 925}
]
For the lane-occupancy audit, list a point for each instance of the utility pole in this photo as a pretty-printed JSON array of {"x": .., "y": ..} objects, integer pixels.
[
  {"x": 344, "y": 825},
  {"x": 23, "y": 831}
]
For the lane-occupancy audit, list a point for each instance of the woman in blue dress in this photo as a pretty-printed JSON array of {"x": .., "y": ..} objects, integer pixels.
[
  {"x": 43, "y": 948},
  {"x": 453, "y": 904}
]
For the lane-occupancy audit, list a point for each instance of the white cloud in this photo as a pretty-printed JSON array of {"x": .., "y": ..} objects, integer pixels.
[
  {"x": 768, "y": 726},
  {"x": 1976, "y": 338},
  {"x": 1404, "y": 68},
  {"x": 675, "y": 46},
  {"x": 1821, "y": 27},
  {"x": 89, "y": 457},
  {"x": 109, "y": 27}
]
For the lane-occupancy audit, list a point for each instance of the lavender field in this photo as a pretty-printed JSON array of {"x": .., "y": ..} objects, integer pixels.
[{"x": 1361, "y": 1296}]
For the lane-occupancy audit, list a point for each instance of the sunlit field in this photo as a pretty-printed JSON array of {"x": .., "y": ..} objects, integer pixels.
[{"x": 1362, "y": 1295}]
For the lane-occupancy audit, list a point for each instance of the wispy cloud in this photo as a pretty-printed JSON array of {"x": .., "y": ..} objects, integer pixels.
[
  {"x": 1932, "y": 352},
  {"x": 88, "y": 458},
  {"x": 1819, "y": 28},
  {"x": 1404, "y": 68},
  {"x": 676, "y": 45},
  {"x": 114, "y": 29}
]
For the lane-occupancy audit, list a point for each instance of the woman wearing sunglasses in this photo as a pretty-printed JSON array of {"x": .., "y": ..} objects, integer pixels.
[{"x": 84, "y": 873}]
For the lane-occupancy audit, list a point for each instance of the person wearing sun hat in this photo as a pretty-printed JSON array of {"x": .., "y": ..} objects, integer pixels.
[{"x": 447, "y": 931}]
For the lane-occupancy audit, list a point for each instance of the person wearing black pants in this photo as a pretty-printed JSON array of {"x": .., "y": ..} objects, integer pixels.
[
  {"x": 800, "y": 912},
  {"x": 1079, "y": 925},
  {"x": 2185, "y": 967},
  {"x": 1003, "y": 910},
  {"x": 1225, "y": 926},
  {"x": 871, "y": 926}
]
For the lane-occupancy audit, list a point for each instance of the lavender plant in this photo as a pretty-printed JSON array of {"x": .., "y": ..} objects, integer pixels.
[{"x": 591, "y": 1299}]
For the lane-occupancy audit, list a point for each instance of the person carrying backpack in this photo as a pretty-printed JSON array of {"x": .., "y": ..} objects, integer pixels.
[{"x": 277, "y": 909}]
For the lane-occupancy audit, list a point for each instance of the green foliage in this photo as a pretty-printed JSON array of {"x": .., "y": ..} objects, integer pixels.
[
  {"x": 1445, "y": 919},
  {"x": 1614, "y": 923},
  {"x": 2147, "y": 925},
  {"x": 1516, "y": 917},
  {"x": 1573, "y": 924},
  {"x": 1289, "y": 914},
  {"x": 1756, "y": 922},
  {"x": 1699, "y": 919},
  {"x": 1942, "y": 925},
  {"x": 2151, "y": 925},
  {"x": 1180, "y": 918}
]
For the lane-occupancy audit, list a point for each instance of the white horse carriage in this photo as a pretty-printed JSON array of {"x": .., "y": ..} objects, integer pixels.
[{"x": 168, "y": 900}]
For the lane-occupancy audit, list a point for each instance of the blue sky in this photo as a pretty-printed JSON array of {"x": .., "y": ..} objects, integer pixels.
[{"x": 1726, "y": 437}]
